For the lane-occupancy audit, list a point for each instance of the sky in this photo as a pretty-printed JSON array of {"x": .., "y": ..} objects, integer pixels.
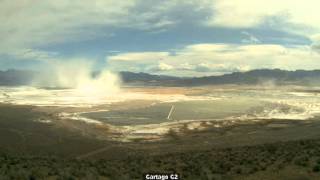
[{"x": 169, "y": 37}]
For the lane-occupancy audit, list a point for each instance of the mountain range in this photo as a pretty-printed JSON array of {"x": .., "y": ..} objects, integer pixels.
[{"x": 254, "y": 77}]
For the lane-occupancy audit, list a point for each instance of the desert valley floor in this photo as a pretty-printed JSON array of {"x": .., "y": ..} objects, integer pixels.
[{"x": 216, "y": 132}]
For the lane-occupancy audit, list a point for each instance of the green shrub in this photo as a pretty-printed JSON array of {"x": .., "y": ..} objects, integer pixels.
[{"x": 316, "y": 168}]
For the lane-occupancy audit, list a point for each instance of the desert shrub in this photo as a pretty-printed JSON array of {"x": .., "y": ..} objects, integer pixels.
[
  {"x": 316, "y": 168},
  {"x": 237, "y": 170},
  {"x": 302, "y": 161},
  {"x": 173, "y": 134}
]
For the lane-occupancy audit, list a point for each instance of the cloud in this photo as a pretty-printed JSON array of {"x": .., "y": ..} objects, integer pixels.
[
  {"x": 33, "y": 54},
  {"x": 316, "y": 47},
  {"x": 26, "y": 25},
  {"x": 213, "y": 59},
  {"x": 290, "y": 15},
  {"x": 250, "y": 39},
  {"x": 29, "y": 27},
  {"x": 316, "y": 43},
  {"x": 165, "y": 67},
  {"x": 139, "y": 56},
  {"x": 33, "y": 23},
  {"x": 36, "y": 22}
]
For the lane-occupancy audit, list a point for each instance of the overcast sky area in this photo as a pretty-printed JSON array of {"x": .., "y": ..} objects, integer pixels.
[{"x": 174, "y": 37}]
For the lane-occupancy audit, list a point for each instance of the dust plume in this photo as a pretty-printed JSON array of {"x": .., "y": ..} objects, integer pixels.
[{"x": 80, "y": 76}]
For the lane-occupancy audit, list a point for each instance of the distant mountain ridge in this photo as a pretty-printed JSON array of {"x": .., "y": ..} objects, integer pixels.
[
  {"x": 259, "y": 76},
  {"x": 14, "y": 77}
]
